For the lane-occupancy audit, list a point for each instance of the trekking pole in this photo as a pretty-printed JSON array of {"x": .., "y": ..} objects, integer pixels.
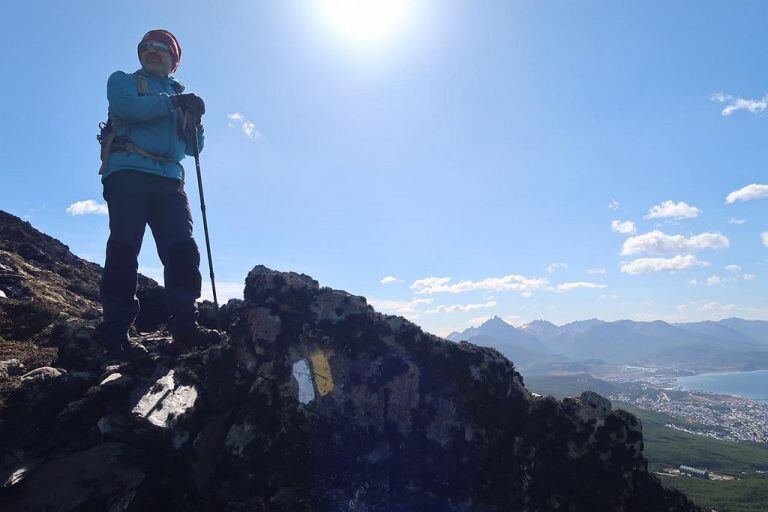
[{"x": 205, "y": 224}]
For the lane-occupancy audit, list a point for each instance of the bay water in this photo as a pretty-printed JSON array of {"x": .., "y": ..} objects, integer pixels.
[{"x": 752, "y": 384}]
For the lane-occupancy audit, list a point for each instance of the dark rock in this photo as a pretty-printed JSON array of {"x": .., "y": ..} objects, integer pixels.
[
  {"x": 601, "y": 404},
  {"x": 154, "y": 312},
  {"x": 101, "y": 477},
  {"x": 312, "y": 401}
]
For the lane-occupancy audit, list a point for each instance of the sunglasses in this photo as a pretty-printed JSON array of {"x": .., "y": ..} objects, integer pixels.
[{"x": 157, "y": 46}]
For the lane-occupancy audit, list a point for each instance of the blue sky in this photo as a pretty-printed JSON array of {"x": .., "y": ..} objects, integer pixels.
[{"x": 491, "y": 143}]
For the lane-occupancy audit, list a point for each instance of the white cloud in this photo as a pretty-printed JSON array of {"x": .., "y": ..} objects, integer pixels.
[
  {"x": 390, "y": 279},
  {"x": 399, "y": 307},
  {"x": 614, "y": 205},
  {"x": 734, "y": 220},
  {"x": 555, "y": 266},
  {"x": 567, "y": 287},
  {"x": 593, "y": 271},
  {"x": 656, "y": 242},
  {"x": 646, "y": 265},
  {"x": 711, "y": 310},
  {"x": 693, "y": 282},
  {"x": 734, "y": 104},
  {"x": 671, "y": 210},
  {"x": 87, "y": 207},
  {"x": 716, "y": 307},
  {"x": 624, "y": 227},
  {"x": 764, "y": 238},
  {"x": 511, "y": 282},
  {"x": 715, "y": 280},
  {"x": 462, "y": 308},
  {"x": 429, "y": 282},
  {"x": 247, "y": 127},
  {"x": 752, "y": 191}
]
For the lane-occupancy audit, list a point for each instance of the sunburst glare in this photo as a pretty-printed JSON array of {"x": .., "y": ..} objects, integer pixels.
[{"x": 366, "y": 21}]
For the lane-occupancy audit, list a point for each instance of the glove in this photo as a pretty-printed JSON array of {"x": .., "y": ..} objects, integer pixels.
[{"x": 192, "y": 104}]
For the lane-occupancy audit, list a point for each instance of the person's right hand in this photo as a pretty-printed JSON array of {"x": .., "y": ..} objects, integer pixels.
[{"x": 192, "y": 104}]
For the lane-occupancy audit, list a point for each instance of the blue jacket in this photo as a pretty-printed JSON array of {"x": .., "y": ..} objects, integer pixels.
[{"x": 150, "y": 122}]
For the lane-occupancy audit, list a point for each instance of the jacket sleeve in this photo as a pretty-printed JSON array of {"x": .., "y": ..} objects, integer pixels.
[
  {"x": 125, "y": 103},
  {"x": 190, "y": 149}
]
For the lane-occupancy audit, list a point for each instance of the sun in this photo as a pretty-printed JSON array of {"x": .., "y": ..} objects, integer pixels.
[{"x": 365, "y": 21}]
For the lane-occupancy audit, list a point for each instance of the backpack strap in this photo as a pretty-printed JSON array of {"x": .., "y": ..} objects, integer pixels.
[
  {"x": 142, "y": 87},
  {"x": 142, "y": 84},
  {"x": 130, "y": 147},
  {"x": 106, "y": 146}
]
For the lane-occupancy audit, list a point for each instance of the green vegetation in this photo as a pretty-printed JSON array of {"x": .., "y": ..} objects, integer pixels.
[
  {"x": 749, "y": 494},
  {"x": 666, "y": 447}
]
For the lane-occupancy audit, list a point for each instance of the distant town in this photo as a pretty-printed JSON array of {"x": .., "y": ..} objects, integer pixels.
[
  {"x": 718, "y": 416},
  {"x": 732, "y": 418},
  {"x": 639, "y": 363}
]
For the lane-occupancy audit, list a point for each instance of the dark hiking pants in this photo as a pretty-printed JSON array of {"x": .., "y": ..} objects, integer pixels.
[{"x": 136, "y": 199}]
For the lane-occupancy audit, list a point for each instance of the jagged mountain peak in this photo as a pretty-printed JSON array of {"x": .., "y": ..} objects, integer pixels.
[
  {"x": 540, "y": 327},
  {"x": 580, "y": 326},
  {"x": 540, "y": 322}
]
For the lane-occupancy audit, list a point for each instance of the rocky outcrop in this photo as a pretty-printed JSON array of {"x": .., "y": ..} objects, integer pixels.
[
  {"x": 42, "y": 285},
  {"x": 313, "y": 402}
]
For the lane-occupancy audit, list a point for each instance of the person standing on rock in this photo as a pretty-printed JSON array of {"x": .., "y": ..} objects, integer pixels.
[{"x": 150, "y": 130}]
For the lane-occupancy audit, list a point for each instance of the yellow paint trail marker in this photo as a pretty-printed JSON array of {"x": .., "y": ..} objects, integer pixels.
[{"x": 322, "y": 372}]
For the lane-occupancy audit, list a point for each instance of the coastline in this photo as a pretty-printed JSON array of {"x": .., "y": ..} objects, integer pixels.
[{"x": 723, "y": 383}]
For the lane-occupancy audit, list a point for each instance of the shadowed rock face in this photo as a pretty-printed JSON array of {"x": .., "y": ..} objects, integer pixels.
[{"x": 315, "y": 402}]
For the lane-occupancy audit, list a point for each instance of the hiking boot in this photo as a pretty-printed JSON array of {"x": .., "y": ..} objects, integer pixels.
[
  {"x": 120, "y": 346},
  {"x": 197, "y": 336}
]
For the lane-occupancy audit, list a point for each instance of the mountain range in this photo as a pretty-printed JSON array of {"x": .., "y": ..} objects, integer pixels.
[{"x": 732, "y": 343}]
